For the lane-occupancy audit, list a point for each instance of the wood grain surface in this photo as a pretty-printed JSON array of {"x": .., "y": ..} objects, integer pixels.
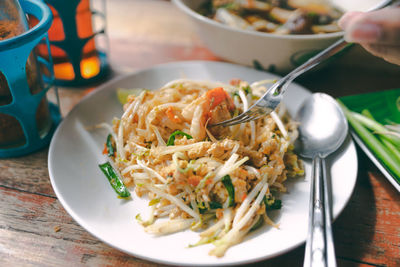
[{"x": 35, "y": 230}]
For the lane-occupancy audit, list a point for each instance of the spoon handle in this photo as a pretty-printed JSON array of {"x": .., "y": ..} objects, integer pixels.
[{"x": 319, "y": 245}]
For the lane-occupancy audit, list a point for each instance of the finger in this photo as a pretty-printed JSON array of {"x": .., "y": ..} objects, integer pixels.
[
  {"x": 379, "y": 27},
  {"x": 347, "y": 18},
  {"x": 390, "y": 53}
]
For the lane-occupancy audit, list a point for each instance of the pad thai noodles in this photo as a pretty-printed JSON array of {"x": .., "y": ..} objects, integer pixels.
[{"x": 219, "y": 181}]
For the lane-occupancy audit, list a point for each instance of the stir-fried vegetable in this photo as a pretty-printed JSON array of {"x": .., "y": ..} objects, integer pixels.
[
  {"x": 272, "y": 204},
  {"x": 171, "y": 139},
  {"x": 226, "y": 180},
  {"x": 110, "y": 146},
  {"x": 215, "y": 205},
  {"x": 114, "y": 179},
  {"x": 280, "y": 17}
]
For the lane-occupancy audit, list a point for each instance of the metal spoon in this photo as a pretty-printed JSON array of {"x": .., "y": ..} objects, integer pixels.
[{"x": 323, "y": 128}]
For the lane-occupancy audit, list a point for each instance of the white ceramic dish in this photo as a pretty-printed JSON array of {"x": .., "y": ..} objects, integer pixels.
[
  {"x": 87, "y": 196},
  {"x": 279, "y": 53}
]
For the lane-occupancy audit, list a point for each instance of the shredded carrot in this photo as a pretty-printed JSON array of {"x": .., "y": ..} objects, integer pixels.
[
  {"x": 219, "y": 213},
  {"x": 171, "y": 115},
  {"x": 235, "y": 81},
  {"x": 244, "y": 197},
  {"x": 217, "y": 95},
  {"x": 105, "y": 150},
  {"x": 135, "y": 118},
  {"x": 194, "y": 180},
  {"x": 243, "y": 172}
]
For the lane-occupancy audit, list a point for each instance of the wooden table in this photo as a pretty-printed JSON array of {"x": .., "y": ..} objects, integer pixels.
[{"x": 35, "y": 230}]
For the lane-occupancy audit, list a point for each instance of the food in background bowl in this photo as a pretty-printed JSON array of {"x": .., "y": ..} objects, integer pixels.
[
  {"x": 278, "y": 53},
  {"x": 275, "y": 16}
]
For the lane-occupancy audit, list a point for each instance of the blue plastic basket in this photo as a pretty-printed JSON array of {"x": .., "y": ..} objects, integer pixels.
[{"x": 14, "y": 53}]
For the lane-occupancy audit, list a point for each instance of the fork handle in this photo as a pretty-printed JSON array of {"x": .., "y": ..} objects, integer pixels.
[
  {"x": 319, "y": 246},
  {"x": 320, "y": 57},
  {"x": 311, "y": 63}
]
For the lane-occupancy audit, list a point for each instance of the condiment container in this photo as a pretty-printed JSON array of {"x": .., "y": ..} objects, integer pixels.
[{"x": 26, "y": 122}]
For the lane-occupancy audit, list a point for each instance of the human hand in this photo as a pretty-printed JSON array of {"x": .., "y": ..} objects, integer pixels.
[{"x": 378, "y": 32}]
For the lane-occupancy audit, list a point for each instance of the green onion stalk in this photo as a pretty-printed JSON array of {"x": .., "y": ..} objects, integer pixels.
[
  {"x": 385, "y": 154},
  {"x": 391, "y": 142}
]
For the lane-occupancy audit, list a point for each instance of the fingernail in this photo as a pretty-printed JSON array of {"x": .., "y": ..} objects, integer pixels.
[{"x": 363, "y": 33}]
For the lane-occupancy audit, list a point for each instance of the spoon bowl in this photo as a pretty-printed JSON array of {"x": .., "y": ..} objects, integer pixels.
[{"x": 323, "y": 128}]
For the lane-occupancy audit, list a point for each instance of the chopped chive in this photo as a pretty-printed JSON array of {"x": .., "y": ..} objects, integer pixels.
[
  {"x": 215, "y": 205},
  {"x": 114, "y": 179},
  {"x": 171, "y": 139},
  {"x": 271, "y": 203},
  {"x": 110, "y": 147},
  {"x": 226, "y": 180}
]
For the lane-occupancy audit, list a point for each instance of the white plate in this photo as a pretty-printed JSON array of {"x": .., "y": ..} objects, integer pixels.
[{"x": 87, "y": 196}]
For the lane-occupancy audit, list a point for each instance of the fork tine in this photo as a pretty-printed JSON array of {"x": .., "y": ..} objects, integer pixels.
[
  {"x": 251, "y": 117},
  {"x": 258, "y": 117},
  {"x": 243, "y": 120},
  {"x": 240, "y": 116},
  {"x": 232, "y": 121},
  {"x": 247, "y": 119},
  {"x": 237, "y": 120}
]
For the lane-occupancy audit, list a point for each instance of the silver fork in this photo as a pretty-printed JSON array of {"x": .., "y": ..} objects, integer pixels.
[{"x": 271, "y": 99}]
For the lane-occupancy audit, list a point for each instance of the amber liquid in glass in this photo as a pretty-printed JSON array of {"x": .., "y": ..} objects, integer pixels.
[{"x": 90, "y": 62}]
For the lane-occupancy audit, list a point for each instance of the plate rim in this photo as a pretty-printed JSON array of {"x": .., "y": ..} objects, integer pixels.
[{"x": 109, "y": 86}]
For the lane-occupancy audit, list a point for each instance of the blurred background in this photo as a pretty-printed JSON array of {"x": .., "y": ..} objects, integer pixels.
[{"x": 167, "y": 34}]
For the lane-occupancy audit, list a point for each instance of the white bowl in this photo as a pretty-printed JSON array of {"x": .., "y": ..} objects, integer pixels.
[{"x": 276, "y": 53}]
